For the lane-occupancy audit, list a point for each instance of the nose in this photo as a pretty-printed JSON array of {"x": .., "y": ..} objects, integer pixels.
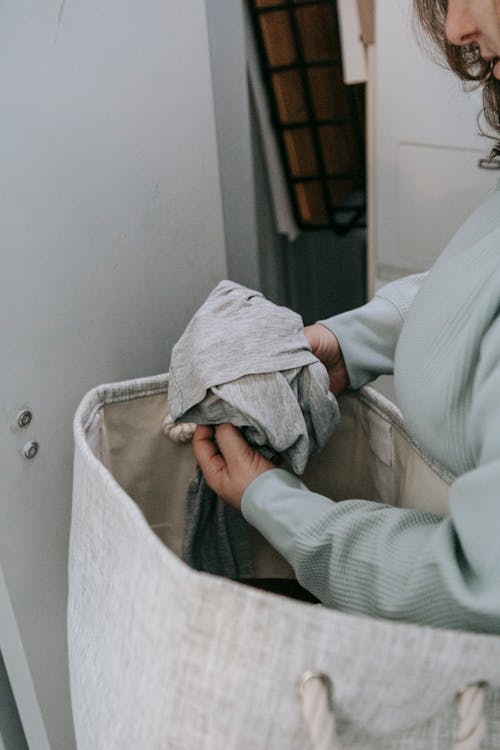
[{"x": 460, "y": 26}]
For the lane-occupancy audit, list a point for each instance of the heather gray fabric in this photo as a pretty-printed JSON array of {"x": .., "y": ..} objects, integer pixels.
[
  {"x": 209, "y": 519},
  {"x": 244, "y": 360}
]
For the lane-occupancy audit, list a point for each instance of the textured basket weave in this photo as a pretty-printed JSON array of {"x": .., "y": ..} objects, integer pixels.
[{"x": 164, "y": 657}]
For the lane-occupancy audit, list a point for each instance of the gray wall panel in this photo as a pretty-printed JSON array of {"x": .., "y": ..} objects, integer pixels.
[
  {"x": 112, "y": 233},
  {"x": 228, "y": 60}
]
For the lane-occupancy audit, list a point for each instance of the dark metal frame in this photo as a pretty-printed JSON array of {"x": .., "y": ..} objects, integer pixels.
[{"x": 356, "y": 213}]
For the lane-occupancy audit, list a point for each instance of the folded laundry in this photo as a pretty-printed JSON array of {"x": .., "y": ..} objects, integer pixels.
[{"x": 244, "y": 360}]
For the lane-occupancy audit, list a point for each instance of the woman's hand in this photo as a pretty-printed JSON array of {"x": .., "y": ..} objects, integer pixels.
[
  {"x": 228, "y": 463},
  {"x": 326, "y": 347}
]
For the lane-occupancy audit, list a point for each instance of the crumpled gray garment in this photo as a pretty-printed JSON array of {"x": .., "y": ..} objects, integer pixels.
[
  {"x": 244, "y": 360},
  {"x": 216, "y": 535}
]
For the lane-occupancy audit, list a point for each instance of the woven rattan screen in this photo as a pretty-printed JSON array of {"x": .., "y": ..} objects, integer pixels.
[{"x": 319, "y": 120}]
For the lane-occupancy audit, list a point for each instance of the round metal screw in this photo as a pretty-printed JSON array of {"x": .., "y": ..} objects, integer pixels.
[
  {"x": 31, "y": 449},
  {"x": 24, "y": 418}
]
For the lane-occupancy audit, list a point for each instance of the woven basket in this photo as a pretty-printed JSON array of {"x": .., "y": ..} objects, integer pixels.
[{"x": 163, "y": 657}]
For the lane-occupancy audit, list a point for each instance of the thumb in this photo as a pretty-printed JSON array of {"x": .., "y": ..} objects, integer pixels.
[{"x": 232, "y": 444}]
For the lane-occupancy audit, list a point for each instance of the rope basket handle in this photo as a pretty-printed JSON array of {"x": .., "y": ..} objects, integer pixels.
[
  {"x": 471, "y": 725},
  {"x": 178, "y": 433},
  {"x": 316, "y": 694}
]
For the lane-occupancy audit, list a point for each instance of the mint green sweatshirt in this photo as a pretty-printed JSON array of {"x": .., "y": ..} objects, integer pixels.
[{"x": 440, "y": 335}]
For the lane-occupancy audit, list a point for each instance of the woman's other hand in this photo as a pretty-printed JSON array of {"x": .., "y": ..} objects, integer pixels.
[
  {"x": 228, "y": 463},
  {"x": 325, "y": 346}
]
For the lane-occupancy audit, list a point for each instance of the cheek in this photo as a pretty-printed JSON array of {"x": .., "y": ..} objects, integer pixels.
[{"x": 486, "y": 17}]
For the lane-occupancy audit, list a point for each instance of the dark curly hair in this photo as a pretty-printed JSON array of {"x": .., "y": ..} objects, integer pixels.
[{"x": 465, "y": 61}]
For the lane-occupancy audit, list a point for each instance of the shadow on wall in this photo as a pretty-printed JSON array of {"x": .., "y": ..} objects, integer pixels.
[{"x": 11, "y": 731}]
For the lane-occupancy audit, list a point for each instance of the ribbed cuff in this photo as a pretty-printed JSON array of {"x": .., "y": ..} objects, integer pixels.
[{"x": 280, "y": 506}]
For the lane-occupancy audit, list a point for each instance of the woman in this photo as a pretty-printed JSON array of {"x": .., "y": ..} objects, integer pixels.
[{"x": 440, "y": 335}]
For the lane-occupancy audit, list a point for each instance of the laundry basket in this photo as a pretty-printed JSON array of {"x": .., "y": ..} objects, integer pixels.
[{"x": 164, "y": 657}]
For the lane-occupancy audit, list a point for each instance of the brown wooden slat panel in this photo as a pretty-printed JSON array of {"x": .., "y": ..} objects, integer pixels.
[
  {"x": 267, "y": 3},
  {"x": 319, "y": 32},
  {"x": 328, "y": 92},
  {"x": 277, "y": 37},
  {"x": 289, "y": 95},
  {"x": 300, "y": 151},
  {"x": 309, "y": 196},
  {"x": 304, "y": 39}
]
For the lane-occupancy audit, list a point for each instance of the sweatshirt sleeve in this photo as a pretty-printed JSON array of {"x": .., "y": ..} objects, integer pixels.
[
  {"x": 368, "y": 335},
  {"x": 370, "y": 558}
]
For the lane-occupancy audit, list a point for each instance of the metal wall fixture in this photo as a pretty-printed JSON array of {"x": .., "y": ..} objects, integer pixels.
[
  {"x": 31, "y": 449},
  {"x": 24, "y": 418}
]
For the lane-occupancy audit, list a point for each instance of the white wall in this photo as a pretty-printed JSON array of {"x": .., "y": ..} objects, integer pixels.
[
  {"x": 426, "y": 148},
  {"x": 111, "y": 234}
]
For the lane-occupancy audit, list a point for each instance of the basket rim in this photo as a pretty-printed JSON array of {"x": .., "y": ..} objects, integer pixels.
[{"x": 121, "y": 391}]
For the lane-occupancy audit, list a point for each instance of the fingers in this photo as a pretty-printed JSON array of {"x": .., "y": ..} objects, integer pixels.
[
  {"x": 203, "y": 432},
  {"x": 206, "y": 451},
  {"x": 228, "y": 463},
  {"x": 212, "y": 461},
  {"x": 232, "y": 444},
  {"x": 326, "y": 347}
]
